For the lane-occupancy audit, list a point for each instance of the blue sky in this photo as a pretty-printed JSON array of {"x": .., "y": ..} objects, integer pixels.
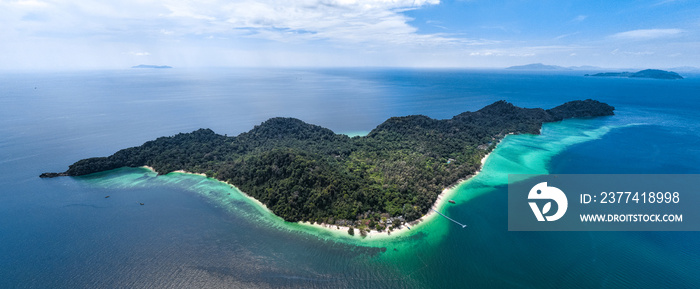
[{"x": 62, "y": 34}]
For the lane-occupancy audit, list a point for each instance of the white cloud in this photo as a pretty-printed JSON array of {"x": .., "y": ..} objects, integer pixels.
[
  {"x": 343, "y": 21},
  {"x": 30, "y": 3},
  {"x": 197, "y": 32},
  {"x": 436, "y": 24},
  {"x": 566, "y": 35},
  {"x": 579, "y": 18},
  {"x": 647, "y": 34},
  {"x": 631, "y": 53},
  {"x": 290, "y": 32},
  {"x": 502, "y": 52},
  {"x": 484, "y": 53}
]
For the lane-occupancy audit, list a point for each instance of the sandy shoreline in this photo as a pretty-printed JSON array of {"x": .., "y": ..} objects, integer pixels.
[
  {"x": 441, "y": 200},
  {"x": 254, "y": 200},
  {"x": 450, "y": 191}
]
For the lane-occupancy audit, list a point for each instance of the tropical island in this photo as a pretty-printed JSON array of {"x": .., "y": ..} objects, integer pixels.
[
  {"x": 304, "y": 172},
  {"x": 647, "y": 73}
]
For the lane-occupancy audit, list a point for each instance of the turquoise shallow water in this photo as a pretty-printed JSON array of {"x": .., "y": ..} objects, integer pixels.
[{"x": 197, "y": 232}]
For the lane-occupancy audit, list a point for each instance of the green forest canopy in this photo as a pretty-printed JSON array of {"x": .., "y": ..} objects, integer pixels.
[{"x": 304, "y": 172}]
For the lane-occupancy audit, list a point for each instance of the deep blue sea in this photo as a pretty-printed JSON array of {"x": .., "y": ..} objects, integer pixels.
[{"x": 194, "y": 232}]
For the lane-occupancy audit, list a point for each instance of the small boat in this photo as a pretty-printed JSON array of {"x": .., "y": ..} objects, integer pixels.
[
  {"x": 141, "y": 204},
  {"x": 106, "y": 197},
  {"x": 451, "y": 201}
]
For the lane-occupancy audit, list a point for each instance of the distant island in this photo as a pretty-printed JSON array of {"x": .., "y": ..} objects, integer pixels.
[
  {"x": 537, "y": 66},
  {"x": 647, "y": 73},
  {"x": 304, "y": 172},
  {"x": 151, "y": 66}
]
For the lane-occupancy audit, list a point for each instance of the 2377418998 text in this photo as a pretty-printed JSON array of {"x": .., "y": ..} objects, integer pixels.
[{"x": 632, "y": 198}]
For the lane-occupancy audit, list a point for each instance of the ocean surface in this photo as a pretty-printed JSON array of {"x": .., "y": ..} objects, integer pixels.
[{"x": 194, "y": 232}]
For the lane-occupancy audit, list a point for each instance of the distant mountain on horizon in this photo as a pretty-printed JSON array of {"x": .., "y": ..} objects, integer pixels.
[
  {"x": 537, "y": 66},
  {"x": 151, "y": 66}
]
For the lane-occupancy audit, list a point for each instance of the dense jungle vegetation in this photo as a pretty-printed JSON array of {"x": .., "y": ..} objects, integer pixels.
[{"x": 304, "y": 172}]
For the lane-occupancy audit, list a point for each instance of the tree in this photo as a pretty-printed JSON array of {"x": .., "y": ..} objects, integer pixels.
[{"x": 303, "y": 172}]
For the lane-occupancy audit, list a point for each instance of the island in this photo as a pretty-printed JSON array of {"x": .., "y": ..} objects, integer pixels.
[
  {"x": 304, "y": 172},
  {"x": 537, "y": 66},
  {"x": 151, "y": 66},
  {"x": 647, "y": 73}
]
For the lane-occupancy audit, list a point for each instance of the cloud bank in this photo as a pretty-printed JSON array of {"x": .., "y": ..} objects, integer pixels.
[
  {"x": 346, "y": 21},
  {"x": 647, "y": 34},
  {"x": 102, "y": 33}
]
